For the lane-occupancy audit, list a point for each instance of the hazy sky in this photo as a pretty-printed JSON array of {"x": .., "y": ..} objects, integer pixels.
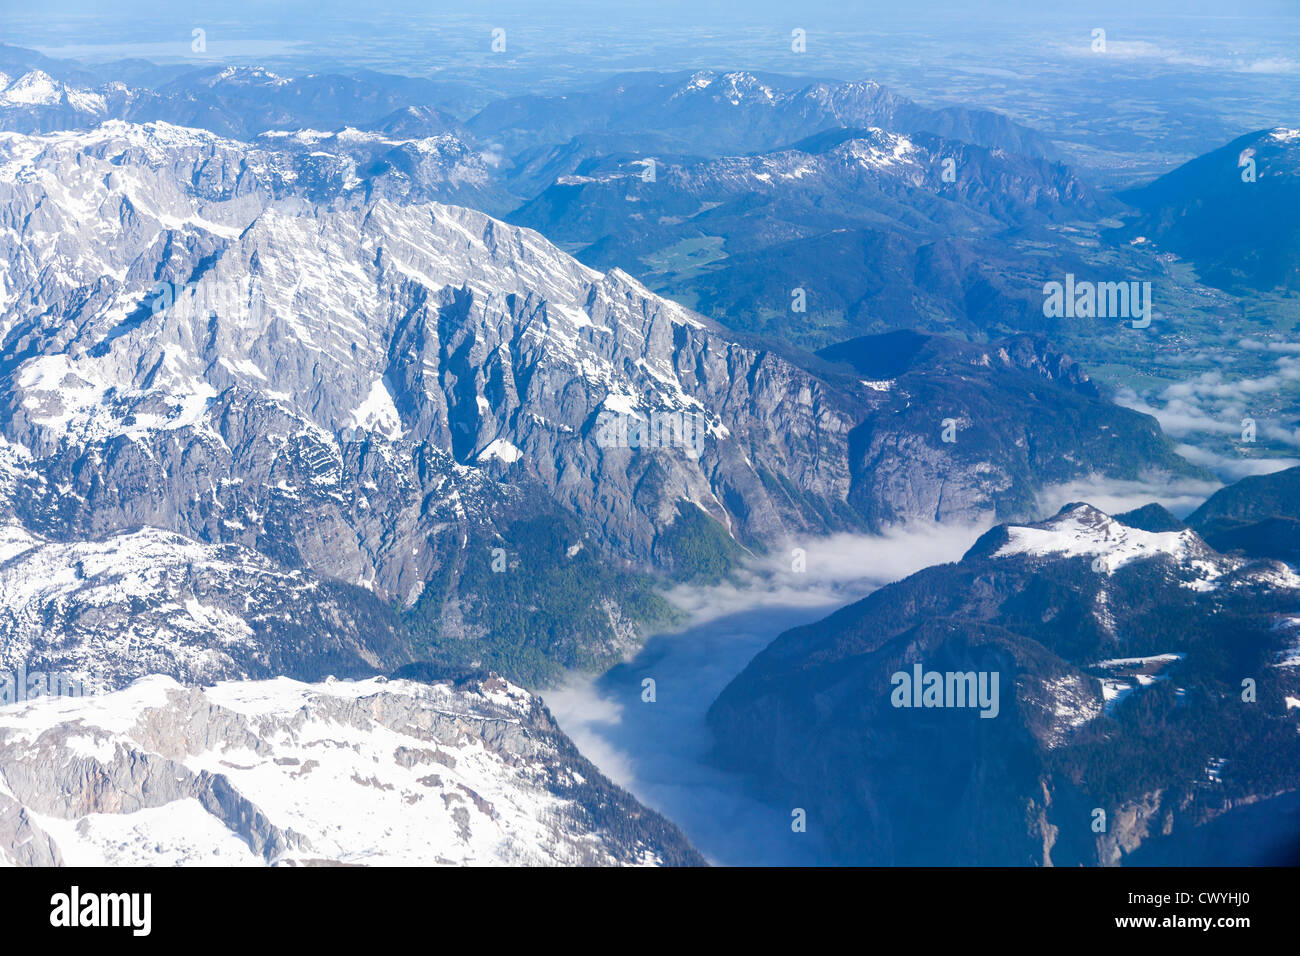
[{"x": 568, "y": 23}]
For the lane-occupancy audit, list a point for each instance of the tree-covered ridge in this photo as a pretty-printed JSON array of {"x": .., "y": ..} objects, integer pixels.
[{"x": 1136, "y": 668}]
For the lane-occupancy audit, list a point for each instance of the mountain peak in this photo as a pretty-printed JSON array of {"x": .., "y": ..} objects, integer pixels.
[
  {"x": 34, "y": 88},
  {"x": 246, "y": 75},
  {"x": 740, "y": 86},
  {"x": 1284, "y": 134},
  {"x": 1079, "y": 529}
]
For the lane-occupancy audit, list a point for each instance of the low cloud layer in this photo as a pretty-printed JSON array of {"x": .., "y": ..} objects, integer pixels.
[
  {"x": 1232, "y": 423},
  {"x": 1181, "y": 496}
]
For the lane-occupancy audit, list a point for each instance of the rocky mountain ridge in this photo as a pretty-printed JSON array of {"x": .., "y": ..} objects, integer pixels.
[{"x": 385, "y": 392}]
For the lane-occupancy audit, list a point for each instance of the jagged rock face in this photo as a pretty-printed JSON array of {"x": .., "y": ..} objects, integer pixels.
[
  {"x": 964, "y": 429},
  {"x": 1120, "y": 656},
  {"x": 284, "y": 773},
  {"x": 381, "y": 393},
  {"x": 342, "y": 383},
  {"x": 106, "y": 612},
  {"x": 274, "y": 771},
  {"x": 479, "y": 345}
]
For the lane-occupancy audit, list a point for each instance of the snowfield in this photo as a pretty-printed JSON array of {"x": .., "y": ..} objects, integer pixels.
[{"x": 283, "y": 772}]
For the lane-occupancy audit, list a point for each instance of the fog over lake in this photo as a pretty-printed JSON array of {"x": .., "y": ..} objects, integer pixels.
[{"x": 659, "y": 751}]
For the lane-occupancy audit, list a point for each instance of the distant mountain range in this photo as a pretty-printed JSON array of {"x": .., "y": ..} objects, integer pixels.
[
  {"x": 235, "y": 102},
  {"x": 710, "y": 114},
  {"x": 879, "y": 229}
]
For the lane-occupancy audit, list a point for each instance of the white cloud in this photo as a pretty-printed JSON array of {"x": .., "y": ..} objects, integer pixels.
[
  {"x": 1213, "y": 406},
  {"x": 1180, "y": 495},
  {"x": 1234, "y": 468}
]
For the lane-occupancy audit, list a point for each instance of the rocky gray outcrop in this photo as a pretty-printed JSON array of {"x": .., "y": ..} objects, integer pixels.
[{"x": 284, "y": 773}]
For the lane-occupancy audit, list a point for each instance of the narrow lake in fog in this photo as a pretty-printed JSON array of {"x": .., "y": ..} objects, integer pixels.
[{"x": 660, "y": 751}]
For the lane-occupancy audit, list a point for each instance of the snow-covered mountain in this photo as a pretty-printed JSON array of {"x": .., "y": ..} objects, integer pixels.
[
  {"x": 375, "y": 390},
  {"x": 352, "y": 162},
  {"x": 478, "y": 343},
  {"x": 239, "y": 102},
  {"x": 251, "y": 773},
  {"x": 38, "y": 88},
  {"x": 105, "y": 612},
  {"x": 313, "y": 164}
]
